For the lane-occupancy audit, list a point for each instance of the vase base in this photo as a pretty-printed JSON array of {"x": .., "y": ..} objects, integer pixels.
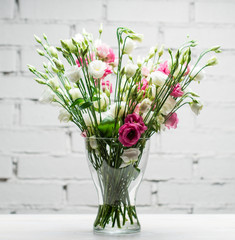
[{"x": 127, "y": 229}]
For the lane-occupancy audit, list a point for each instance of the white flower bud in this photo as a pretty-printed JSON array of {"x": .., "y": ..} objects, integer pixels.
[
  {"x": 130, "y": 69},
  {"x": 168, "y": 106},
  {"x": 64, "y": 115},
  {"x": 198, "y": 76},
  {"x": 47, "y": 96},
  {"x": 129, "y": 46},
  {"x": 93, "y": 142},
  {"x": 145, "y": 105},
  {"x": 114, "y": 108},
  {"x": 103, "y": 102},
  {"x": 158, "y": 78},
  {"x": 75, "y": 93},
  {"x": 196, "y": 106},
  {"x": 54, "y": 83},
  {"x": 52, "y": 50}
]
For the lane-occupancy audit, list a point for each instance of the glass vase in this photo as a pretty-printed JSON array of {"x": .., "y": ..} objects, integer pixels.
[{"x": 117, "y": 173}]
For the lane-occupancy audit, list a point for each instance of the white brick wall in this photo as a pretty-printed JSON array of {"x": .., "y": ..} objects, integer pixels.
[{"x": 42, "y": 162}]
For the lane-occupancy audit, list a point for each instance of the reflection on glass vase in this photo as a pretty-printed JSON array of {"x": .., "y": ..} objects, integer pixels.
[{"x": 117, "y": 172}]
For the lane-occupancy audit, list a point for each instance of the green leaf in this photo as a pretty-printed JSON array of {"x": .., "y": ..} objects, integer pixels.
[
  {"x": 85, "y": 105},
  {"x": 106, "y": 127},
  {"x": 77, "y": 102}
]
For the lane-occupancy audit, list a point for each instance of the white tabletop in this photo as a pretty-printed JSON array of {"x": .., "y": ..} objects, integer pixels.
[{"x": 76, "y": 227}]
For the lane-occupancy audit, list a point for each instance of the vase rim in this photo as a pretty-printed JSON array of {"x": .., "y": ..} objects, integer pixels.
[{"x": 94, "y": 137}]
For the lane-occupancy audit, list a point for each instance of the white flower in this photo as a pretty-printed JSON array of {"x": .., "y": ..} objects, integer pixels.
[
  {"x": 104, "y": 102},
  {"x": 114, "y": 107},
  {"x": 153, "y": 91},
  {"x": 147, "y": 119},
  {"x": 74, "y": 73},
  {"x": 123, "y": 83},
  {"x": 64, "y": 115},
  {"x": 161, "y": 120},
  {"x": 129, "y": 156},
  {"x": 130, "y": 69},
  {"x": 47, "y": 96},
  {"x": 54, "y": 83},
  {"x": 75, "y": 93},
  {"x": 158, "y": 78},
  {"x": 129, "y": 46},
  {"x": 97, "y": 68},
  {"x": 52, "y": 50},
  {"x": 89, "y": 119},
  {"x": 145, "y": 105},
  {"x": 199, "y": 76},
  {"x": 196, "y": 106},
  {"x": 168, "y": 106},
  {"x": 79, "y": 38},
  {"x": 93, "y": 142}
]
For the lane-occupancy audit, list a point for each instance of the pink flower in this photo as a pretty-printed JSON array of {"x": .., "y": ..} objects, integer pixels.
[
  {"x": 187, "y": 71},
  {"x": 91, "y": 57},
  {"x": 143, "y": 85},
  {"x": 107, "y": 84},
  {"x": 129, "y": 134},
  {"x": 138, "y": 120},
  {"x": 107, "y": 71},
  {"x": 172, "y": 121},
  {"x": 145, "y": 71},
  {"x": 163, "y": 67},
  {"x": 84, "y": 133},
  {"x": 102, "y": 51},
  {"x": 111, "y": 56},
  {"x": 137, "y": 108},
  {"x": 177, "y": 92}
]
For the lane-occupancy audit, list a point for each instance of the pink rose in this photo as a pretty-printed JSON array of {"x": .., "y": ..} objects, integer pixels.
[
  {"x": 172, "y": 121},
  {"x": 163, "y": 67},
  {"x": 111, "y": 56},
  {"x": 102, "y": 51},
  {"x": 145, "y": 71},
  {"x": 129, "y": 134},
  {"x": 107, "y": 84},
  {"x": 177, "y": 92},
  {"x": 138, "y": 120}
]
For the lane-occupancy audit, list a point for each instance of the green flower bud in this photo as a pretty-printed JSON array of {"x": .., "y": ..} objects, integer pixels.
[
  {"x": 101, "y": 29},
  {"x": 31, "y": 68},
  {"x": 58, "y": 64},
  {"x": 52, "y": 50},
  {"x": 40, "y": 52},
  {"x": 212, "y": 61},
  {"x": 44, "y": 36},
  {"x": 37, "y": 39},
  {"x": 40, "y": 81},
  {"x": 161, "y": 50}
]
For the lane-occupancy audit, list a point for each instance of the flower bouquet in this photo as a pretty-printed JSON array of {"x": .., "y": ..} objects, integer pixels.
[{"x": 117, "y": 124}]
